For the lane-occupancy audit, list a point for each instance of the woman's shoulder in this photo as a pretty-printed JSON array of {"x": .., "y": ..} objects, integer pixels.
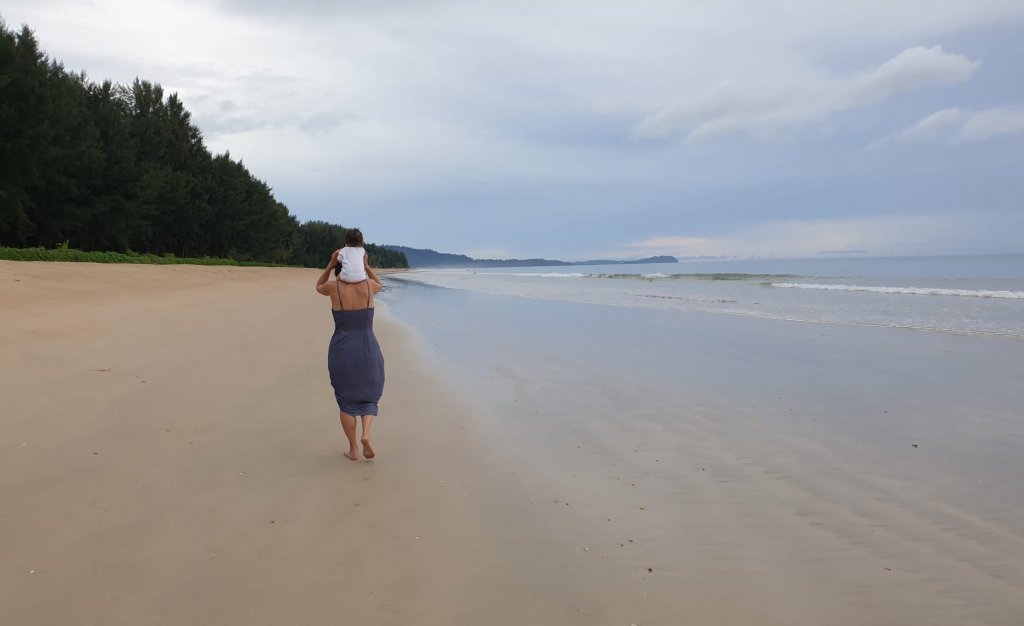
[{"x": 356, "y": 293}]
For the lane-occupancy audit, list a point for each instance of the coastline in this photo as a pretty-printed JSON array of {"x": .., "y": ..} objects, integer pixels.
[{"x": 174, "y": 456}]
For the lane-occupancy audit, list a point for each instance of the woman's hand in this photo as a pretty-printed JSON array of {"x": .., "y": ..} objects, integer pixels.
[{"x": 321, "y": 283}]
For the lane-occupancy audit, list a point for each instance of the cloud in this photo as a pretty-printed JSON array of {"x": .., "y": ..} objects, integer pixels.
[
  {"x": 952, "y": 126},
  {"x": 767, "y": 109},
  {"x": 316, "y": 9},
  {"x": 925, "y": 233},
  {"x": 230, "y": 119},
  {"x": 688, "y": 246},
  {"x": 427, "y": 113}
]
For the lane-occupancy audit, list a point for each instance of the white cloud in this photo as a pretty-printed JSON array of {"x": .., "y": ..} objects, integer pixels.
[
  {"x": 955, "y": 125},
  {"x": 927, "y": 233},
  {"x": 991, "y": 122},
  {"x": 765, "y": 109},
  {"x": 412, "y": 111}
]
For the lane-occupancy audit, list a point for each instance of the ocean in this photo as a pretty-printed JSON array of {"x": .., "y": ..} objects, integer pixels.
[
  {"x": 968, "y": 295},
  {"x": 850, "y": 424},
  {"x": 872, "y": 352}
]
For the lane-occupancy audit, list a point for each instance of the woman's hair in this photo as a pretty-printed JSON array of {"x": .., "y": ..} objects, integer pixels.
[
  {"x": 337, "y": 270},
  {"x": 353, "y": 237}
]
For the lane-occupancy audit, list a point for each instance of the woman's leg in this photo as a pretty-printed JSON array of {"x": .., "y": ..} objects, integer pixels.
[
  {"x": 348, "y": 424},
  {"x": 367, "y": 447}
]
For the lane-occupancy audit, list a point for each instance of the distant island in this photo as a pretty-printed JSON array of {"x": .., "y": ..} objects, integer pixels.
[{"x": 419, "y": 257}]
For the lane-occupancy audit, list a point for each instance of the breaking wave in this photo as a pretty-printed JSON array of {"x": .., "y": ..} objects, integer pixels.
[{"x": 916, "y": 291}]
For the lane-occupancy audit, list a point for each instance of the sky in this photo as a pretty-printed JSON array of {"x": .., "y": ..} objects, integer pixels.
[{"x": 593, "y": 129}]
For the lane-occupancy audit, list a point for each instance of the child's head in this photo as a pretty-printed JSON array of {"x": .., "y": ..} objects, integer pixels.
[{"x": 354, "y": 238}]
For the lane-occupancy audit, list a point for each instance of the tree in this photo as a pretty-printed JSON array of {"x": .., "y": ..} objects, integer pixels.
[{"x": 118, "y": 168}]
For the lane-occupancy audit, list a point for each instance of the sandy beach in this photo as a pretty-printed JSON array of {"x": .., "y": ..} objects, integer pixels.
[{"x": 171, "y": 454}]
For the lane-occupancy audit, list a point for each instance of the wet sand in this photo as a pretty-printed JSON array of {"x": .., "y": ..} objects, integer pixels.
[
  {"x": 171, "y": 454},
  {"x": 767, "y": 472}
]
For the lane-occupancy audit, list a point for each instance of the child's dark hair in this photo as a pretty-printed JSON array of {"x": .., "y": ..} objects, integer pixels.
[{"x": 353, "y": 237}]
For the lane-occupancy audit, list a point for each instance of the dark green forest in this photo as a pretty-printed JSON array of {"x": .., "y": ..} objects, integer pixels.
[{"x": 121, "y": 168}]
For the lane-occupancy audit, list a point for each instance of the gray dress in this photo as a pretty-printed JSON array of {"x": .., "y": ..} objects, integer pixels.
[{"x": 354, "y": 359}]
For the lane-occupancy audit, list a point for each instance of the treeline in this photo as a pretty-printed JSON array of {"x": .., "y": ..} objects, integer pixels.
[
  {"x": 317, "y": 240},
  {"x": 109, "y": 167},
  {"x": 420, "y": 257}
]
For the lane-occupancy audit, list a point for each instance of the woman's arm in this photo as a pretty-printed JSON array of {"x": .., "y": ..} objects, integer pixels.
[
  {"x": 373, "y": 279},
  {"x": 321, "y": 283}
]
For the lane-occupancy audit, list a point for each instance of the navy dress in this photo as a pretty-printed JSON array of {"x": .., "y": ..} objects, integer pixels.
[{"x": 354, "y": 359}]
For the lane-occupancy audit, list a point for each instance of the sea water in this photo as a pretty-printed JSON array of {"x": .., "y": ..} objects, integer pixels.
[
  {"x": 914, "y": 366},
  {"x": 820, "y": 421},
  {"x": 968, "y": 295}
]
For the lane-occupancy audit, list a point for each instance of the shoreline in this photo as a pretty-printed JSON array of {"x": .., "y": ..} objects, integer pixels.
[{"x": 174, "y": 456}]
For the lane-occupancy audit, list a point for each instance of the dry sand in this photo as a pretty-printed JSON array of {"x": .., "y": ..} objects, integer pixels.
[{"x": 170, "y": 453}]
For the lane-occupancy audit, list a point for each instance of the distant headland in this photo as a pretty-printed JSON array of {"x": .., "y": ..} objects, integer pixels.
[{"x": 420, "y": 257}]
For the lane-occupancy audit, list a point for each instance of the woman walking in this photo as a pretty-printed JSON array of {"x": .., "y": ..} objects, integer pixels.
[{"x": 354, "y": 359}]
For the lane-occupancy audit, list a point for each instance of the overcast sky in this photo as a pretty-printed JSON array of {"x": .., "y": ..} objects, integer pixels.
[{"x": 595, "y": 129}]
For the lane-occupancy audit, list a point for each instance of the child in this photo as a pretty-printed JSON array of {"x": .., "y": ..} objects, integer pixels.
[{"x": 353, "y": 258}]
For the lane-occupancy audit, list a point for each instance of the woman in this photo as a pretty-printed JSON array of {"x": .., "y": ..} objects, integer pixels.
[{"x": 354, "y": 358}]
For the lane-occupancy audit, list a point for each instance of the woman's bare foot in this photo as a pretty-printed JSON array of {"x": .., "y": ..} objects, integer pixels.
[
  {"x": 352, "y": 455},
  {"x": 368, "y": 449}
]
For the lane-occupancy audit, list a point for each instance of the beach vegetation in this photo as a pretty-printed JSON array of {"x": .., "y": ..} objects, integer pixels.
[{"x": 70, "y": 255}]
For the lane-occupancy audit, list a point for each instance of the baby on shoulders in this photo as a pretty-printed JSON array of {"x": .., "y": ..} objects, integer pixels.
[{"x": 353, "y": 258}]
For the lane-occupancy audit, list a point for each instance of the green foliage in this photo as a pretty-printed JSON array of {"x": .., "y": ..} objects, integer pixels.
[
  {"x": 316, "y": 241},
  {"x": 384, "y": 257},
  {"x": 63, "y": 254},
  {"x": 116, "y": 167}
]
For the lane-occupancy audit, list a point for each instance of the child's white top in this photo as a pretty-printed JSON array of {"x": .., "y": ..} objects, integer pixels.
[{"x": 351, "y": 259}]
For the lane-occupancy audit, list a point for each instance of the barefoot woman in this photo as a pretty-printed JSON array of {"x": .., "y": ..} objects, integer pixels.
[{"x": 354, "y": 358}]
